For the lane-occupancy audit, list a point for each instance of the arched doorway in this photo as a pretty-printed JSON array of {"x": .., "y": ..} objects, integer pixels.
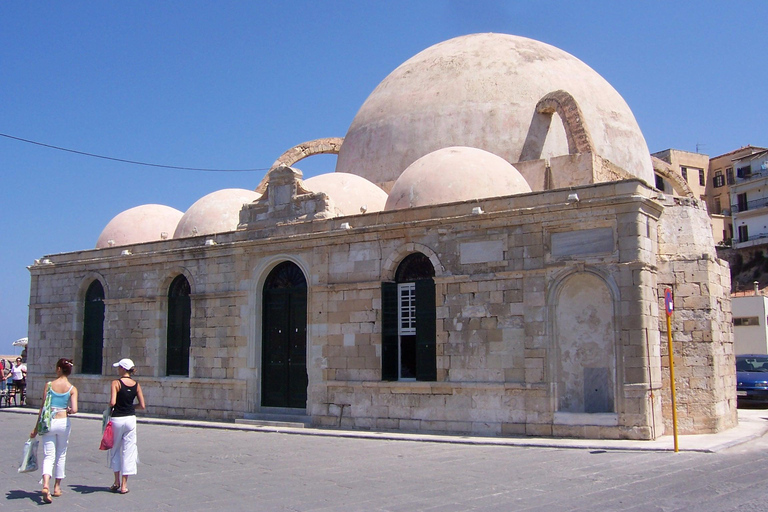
[{"x": 284, "y": 338}]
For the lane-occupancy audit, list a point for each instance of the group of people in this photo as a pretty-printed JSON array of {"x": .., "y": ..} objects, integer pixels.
[
  {"x": 14, "y": 375},
  {"x": 123, "y": 455}
]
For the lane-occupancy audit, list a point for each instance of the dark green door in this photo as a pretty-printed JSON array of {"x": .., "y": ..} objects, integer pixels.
[{"x": 284, "y": 340}]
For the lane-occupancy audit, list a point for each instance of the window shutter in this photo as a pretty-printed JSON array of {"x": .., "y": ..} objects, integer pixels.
[
  {"x": 426, "y": 330},
  {"x": 389, "y": 337}
]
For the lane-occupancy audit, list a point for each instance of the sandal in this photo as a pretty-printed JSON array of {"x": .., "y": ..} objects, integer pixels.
[
  {"x": 56, "y": 494},
  {"x": 47, "y": 495},
  {"x": 114, "y": 488},
  {"x": 124, "y": 491}
]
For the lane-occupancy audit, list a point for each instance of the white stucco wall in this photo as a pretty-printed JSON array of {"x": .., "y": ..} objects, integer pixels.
[{"x": 750, "y": 339}]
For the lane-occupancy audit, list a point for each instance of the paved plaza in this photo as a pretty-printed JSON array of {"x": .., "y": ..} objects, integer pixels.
[{"x": 209, "y": 469}]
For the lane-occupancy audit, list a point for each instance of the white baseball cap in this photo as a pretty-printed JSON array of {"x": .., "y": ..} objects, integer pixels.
[{"x": 125, "y": 363}]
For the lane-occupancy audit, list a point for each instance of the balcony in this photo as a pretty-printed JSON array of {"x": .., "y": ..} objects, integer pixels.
[
  {"x": 750, "y": 205},
  {"x": 759, "y": 239}
]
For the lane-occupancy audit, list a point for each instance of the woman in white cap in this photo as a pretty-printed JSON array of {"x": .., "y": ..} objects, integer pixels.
[{"x": 124, "y": 453}]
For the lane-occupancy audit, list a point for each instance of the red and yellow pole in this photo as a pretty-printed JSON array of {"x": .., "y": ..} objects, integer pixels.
[{"x": 670, "y": 307}]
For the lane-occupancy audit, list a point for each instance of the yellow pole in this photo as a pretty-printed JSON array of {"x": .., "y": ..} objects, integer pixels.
[{"x": 672, "y": 379}]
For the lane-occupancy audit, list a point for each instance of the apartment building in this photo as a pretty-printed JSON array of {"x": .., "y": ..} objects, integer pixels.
[
  {"x": 718, "y": 192},
  {"x": 749, "y": 200}
]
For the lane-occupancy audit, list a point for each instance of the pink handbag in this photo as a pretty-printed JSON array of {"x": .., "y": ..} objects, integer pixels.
[{"x": 108, "y": 438}]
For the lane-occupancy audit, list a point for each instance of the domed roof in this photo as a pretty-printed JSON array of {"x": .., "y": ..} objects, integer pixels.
[
  {"x": 144, "y": 223},
  {"x": 350, "y": 193},
  {"x": 455, "y": 174},
  {"x": 482, "y": 91},
  {"x": 216, "y": 212}
]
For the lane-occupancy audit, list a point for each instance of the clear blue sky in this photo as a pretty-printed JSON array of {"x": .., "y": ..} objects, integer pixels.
[{"x": 231, "y": 85}]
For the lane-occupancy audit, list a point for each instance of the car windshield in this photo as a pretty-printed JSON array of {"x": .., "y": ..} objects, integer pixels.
[{"x": 752, "y": 364}]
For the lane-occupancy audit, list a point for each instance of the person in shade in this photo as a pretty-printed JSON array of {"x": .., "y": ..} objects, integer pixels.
[
  {"x": 19, "y": 376},
  {"x": 63, "y": 403},
  {"x": 124, "y": 454}
]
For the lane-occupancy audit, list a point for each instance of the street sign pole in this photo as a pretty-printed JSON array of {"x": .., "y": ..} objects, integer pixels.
[{"x": 670, "y": 307}]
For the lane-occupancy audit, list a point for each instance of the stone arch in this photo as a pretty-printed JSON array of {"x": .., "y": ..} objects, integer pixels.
[
  {"x": 326, "y": 146},
  {"x": 579, "y": 139},
  {"x": 390, "y": 264},
  {"x": 583, "y": 324},
  {"x": 170, "y": 275},
  {"x": 86, "y": 281},
  {"x": 679, "y": 185}
]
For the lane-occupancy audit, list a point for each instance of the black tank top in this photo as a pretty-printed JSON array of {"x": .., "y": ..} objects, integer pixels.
[{"x": 124, "y": 400}]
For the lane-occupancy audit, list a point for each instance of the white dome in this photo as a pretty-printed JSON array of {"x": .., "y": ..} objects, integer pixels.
[
  {"x": 455, "y": 174},
  {"x": 145, "y": 223},
  {"x": 481, "y": 91},
  {"x": 350, "y": 193},
  {"x": 217, "y": 212}
]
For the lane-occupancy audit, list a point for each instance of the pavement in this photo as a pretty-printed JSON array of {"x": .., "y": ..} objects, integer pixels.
[
  {"x": 198, "y": 466},
  {"x": 753, "y": 424}
]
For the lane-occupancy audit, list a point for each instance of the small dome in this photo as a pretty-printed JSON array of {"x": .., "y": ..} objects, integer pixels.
[
  {"x": 217, "y": 212},
  {"x": 455, "y": 174},
  {"x": 350, "y": 193},
  {"x": 145, "y": 223}
]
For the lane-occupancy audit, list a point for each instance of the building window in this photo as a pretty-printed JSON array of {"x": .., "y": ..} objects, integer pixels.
[
  {"x": 743, "y": 172},
  {"x": 409, "y": 322},
  {"x": 745, "y": 321},
  {"x": 702, "y": 178},
  {"x": 93, "y": 329},
  {"x": 660, "y": 183},
  {"x": 742, "y": 202},
  {"x": 718, "y": 180},
  {"x": 684, "y": 172},
  {"x": 716, "y": 209},
  {"x": 743, "y": 234},
  {"x": 729, "y": 176},
  {"x": 178, "y": 335}
]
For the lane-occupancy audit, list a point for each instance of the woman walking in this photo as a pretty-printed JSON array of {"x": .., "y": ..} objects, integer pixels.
[
  {"x": 63, "y": 402},
  {"x": 124, "y": 453},
  {"x": 19, "y": 376}
]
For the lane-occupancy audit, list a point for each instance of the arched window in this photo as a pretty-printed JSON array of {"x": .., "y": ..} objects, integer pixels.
[
  {"x": 408, "y": 348},
  {"x": 178, "y": 340},
  {"x": 93, "y": 329}
]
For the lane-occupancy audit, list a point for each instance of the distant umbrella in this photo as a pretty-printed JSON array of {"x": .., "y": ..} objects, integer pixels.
[{"x": 21, "y": 342}]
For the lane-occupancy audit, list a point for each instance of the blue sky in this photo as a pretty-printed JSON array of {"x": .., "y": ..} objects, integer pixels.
[{"x": 233, "y": 84}]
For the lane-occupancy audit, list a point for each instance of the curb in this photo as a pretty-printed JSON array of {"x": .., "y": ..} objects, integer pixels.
[{"x": 703, "y": 443}]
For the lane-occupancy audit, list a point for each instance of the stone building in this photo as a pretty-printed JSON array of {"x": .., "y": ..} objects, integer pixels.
[{"x": 489, "y": 257}]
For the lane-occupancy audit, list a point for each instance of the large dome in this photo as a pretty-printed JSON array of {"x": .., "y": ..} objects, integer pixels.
[
  {"x": 350, "y": 193},
  {"x": 145, "y": 223},
  {"x": 455, "y": 174},
  {"x": 216, "y": 212},
  {"x": 482, "y": 91}
]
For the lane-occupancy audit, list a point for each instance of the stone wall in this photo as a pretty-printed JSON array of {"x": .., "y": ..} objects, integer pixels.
[
  {"x": 499, "y": 276},
  {"x": 705, "y": 370}
]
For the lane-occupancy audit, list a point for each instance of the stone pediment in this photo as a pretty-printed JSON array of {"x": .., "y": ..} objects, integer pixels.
[{"x": 285, "y": 200}]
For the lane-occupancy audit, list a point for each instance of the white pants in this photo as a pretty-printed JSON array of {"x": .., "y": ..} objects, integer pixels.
[
  {"x": 55, "y": 447},
  {"x": 124, "y": 453}
]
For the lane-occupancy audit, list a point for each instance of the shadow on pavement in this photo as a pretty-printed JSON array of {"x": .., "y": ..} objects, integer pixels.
[
  {"x": 17, "y": 494},
  {"x": 88, "y": 489}
]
